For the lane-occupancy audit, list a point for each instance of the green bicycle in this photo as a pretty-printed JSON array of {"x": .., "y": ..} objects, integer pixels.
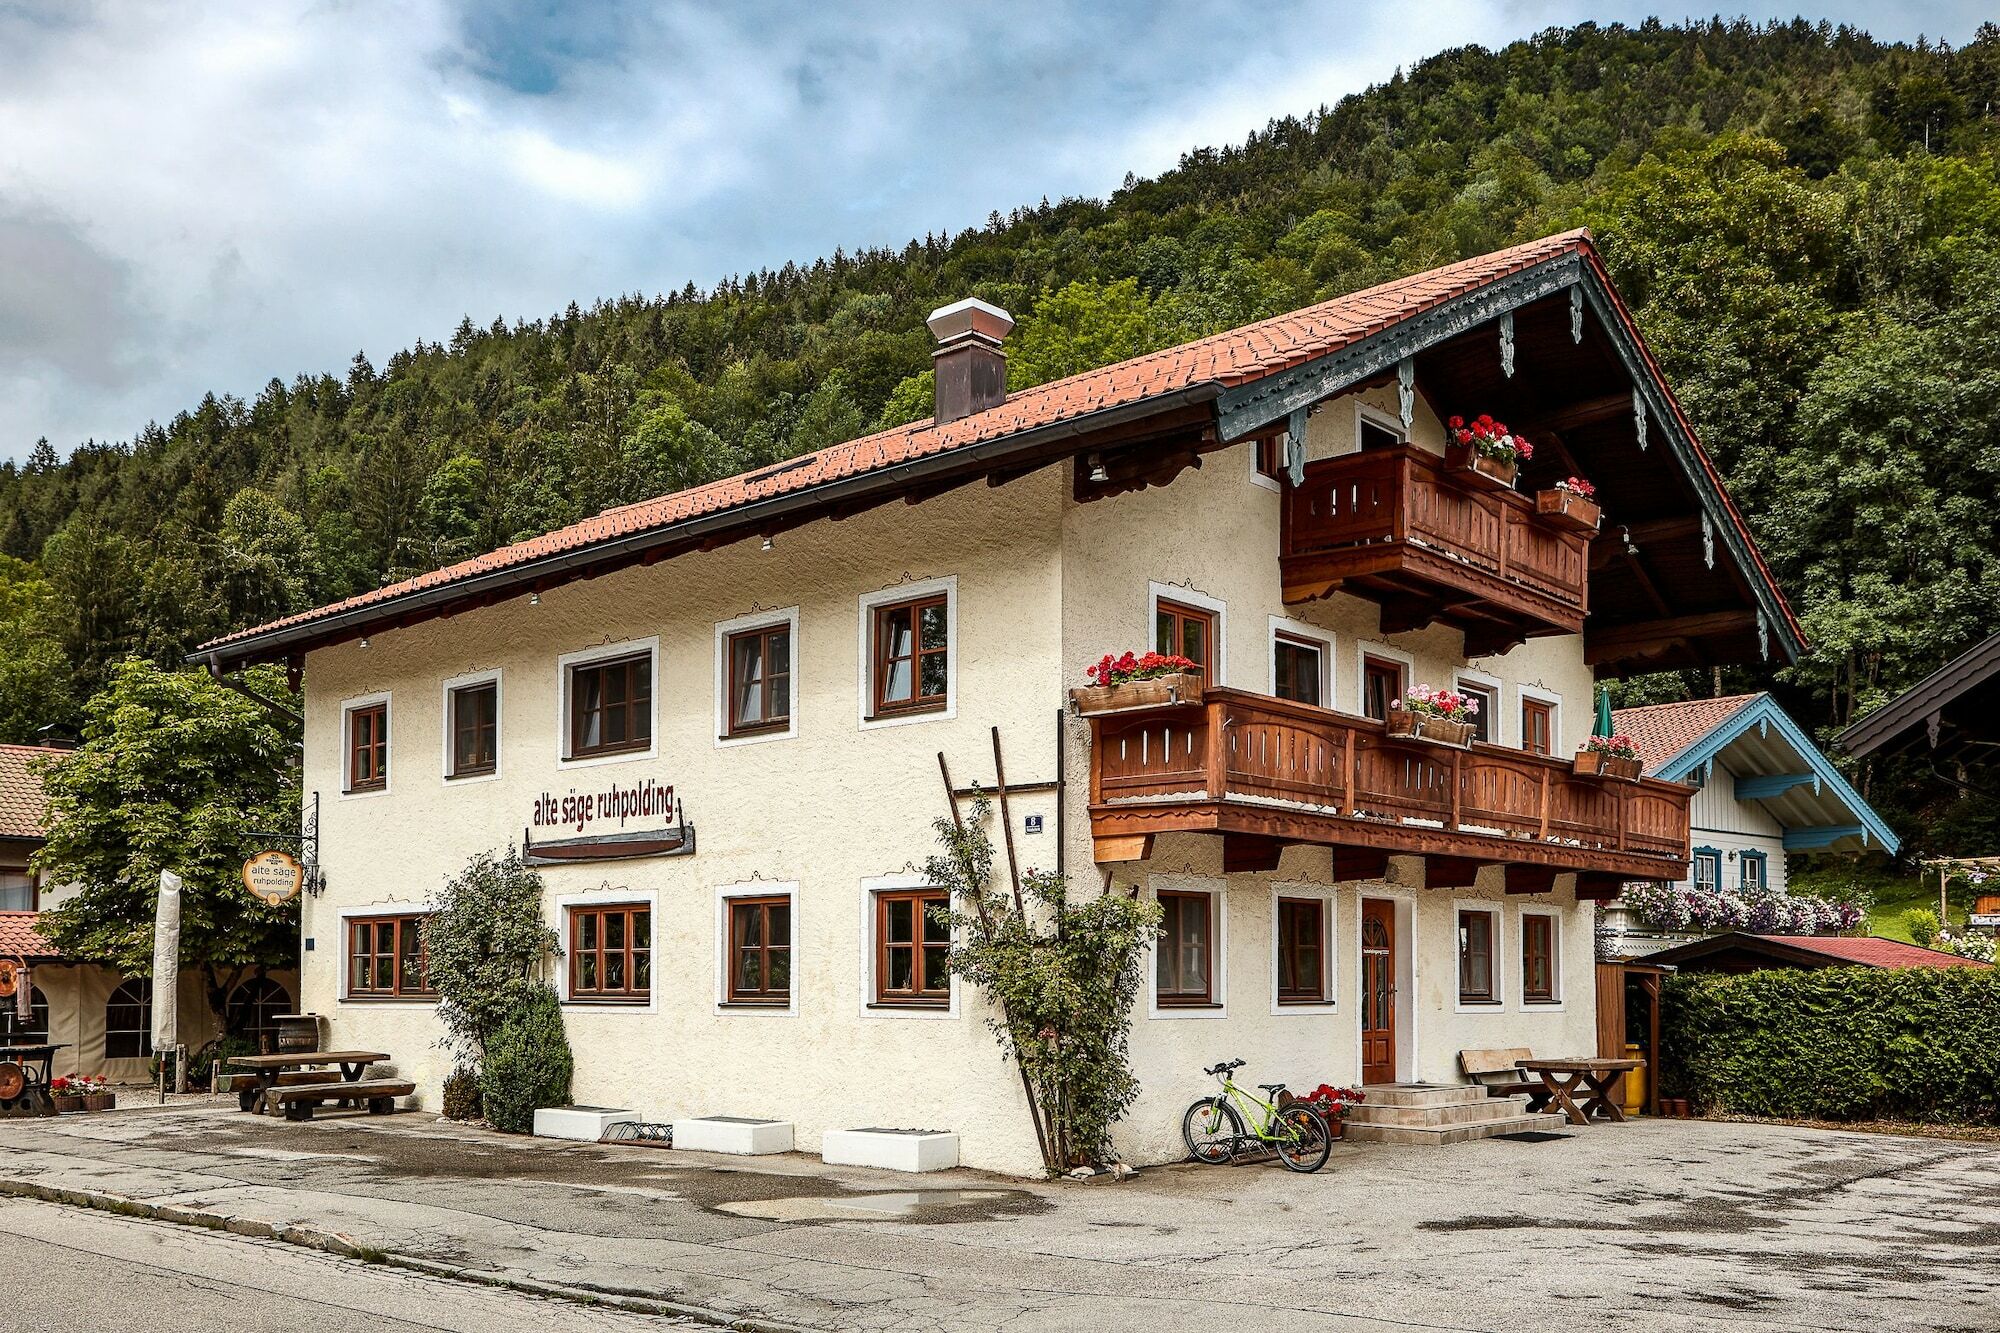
[{"x": 1213, "y": 1127}]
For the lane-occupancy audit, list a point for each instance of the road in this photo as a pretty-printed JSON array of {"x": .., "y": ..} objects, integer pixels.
[{"x": 69, "y": 1268}]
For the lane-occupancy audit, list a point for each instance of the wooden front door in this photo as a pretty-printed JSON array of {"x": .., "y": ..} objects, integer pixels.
[{"x": 1378, "y": 991}]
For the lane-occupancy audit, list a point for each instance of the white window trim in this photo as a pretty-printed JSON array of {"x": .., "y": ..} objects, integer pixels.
[
  {"x": 1218, "y": 953},
  {"x": 499, "y": 726},
  {"x": 1555, "y": 703},
  {"x": 903, "y": 592},
  {"x": 1496, "y": 691},
  {"x": 1363, "y": 412},
  {"x": 1559, "y": 1004},
  {"x": 1157, "y": 592},
  {"x": 346, "y": 959},
  {"x": 890, "y": 1013},
  {"x": 1328, "y": 896},
  {"x": 789, "y": 618},
  {"x": 1498, "y": 1004},
  {"x": 1299, "y": 629},
  {"x": 1258, "y": 478},
  {"x": 607, "y": 896},
  {"x": 347, "y": 707},
  {"x": 604, "y": 652},
  {"x": 1365, "y": 649},
  {"x": 725, "y": 895}
]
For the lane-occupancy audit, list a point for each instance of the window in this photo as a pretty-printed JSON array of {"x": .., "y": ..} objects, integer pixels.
[
  {"x": 912, "y": 948},
  {"x": 475, "y": 729},
  {"x": 760, "y": 679},
  {"x": 1301, "y": 951},
  {"x": 17, "y": 891},
  {"x": 1270, "y": 457},
  {"x": 1381, "y": 682},
  {"x": 611, "y": 953},
  {"x": 1374, "y": 435},
  {"x": 611, "y": 706},
  {"x": 1475, "y": 957},
  {"x": 1752, "y": 870},
  {"x": 1538, "y": 726},
  {"x": 128, "y": 1021},
  {"x": 912, "y": 655},
  {"x": 1488, "y": 714},
  {"x": 1183, "y": 959},
  {"x": 1298, "y": 669},
  {"x": 386, "y": 959},
  {"x": 1538, "y": 958},
  {"x": 1189, "y": 631},
  {"x": 368, "y": 747},
  {"x": 760, "y": 950},
  {"x": 253, "y": 1010},
  {"x": 30, "y": 1031},
  {"x": 1707, "y": 869}
]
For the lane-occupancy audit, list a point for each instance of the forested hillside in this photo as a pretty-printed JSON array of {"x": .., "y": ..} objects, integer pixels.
[{"x": 1806, "y": 220}]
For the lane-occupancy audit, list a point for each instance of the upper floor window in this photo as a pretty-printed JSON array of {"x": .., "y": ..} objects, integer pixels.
[
  {"x": 1270, "y": 457},
  {"x": 611, "y": 705},
  {"x": 1381, "y": 684},
  {"x": 386, "y": 958},
  {"x": 1538, "y": 724},
  {"x": 912, "y": 947},
  {"x": 1374, "y": 435},
  {"x": 1486, "y": 716},
  {"x": 1752, "y": 870},
  {"x": 912, "y": 655},
  {"x": 1183, "y": 960},
  {"x": 475, "y": 729},
  {"x": 1188, "y": 631},
  {"x": 1707, "y": 869},
  {"x": 1298, "y": 669},
  {"x": 17, "y": 891},
  {"x": 611, "y": 953},
  {"x": 368, "y": 747},
  {"x": 1475, "y": 957},
  {"x": 760, "y": 679}
]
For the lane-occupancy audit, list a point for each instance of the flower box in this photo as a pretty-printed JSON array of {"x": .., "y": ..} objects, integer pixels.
[
  {"x": 100, "y": 1101},
  {"x": 1405, "y": 724},
  {"x": 1598, "y": 764},
  {"x": 1471, "y": 465},
  {"x": 1566, "y": 509},
  {"x": 1180, "y": 688},
  {"x": 66, "y": 1101}
]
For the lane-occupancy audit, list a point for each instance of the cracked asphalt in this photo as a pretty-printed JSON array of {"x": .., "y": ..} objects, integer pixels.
[{"x": 1656, "y": 1225}]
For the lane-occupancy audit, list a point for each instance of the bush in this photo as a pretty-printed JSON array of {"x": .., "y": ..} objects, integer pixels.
[
  {"x": 528, "y": 1063},
  {"x": 461, "y": 1095},
  {"x": 1841, "y": 1043},
  {"x": 484, "y": 948}
]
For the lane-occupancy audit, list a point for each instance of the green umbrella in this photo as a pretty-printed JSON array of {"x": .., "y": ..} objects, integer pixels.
[{"x": 1602, "y": 727}]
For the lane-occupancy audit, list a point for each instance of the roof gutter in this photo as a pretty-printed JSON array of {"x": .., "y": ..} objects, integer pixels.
[{"x": 273, "y": 643}]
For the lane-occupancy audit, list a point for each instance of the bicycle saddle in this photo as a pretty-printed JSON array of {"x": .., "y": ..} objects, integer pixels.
[{"x": 1273, "y": 1088}]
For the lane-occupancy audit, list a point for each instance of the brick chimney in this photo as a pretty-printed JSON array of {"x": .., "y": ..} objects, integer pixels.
[{"x": 971, "y": 366}]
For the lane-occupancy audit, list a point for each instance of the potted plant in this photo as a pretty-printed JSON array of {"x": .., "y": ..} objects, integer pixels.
[
  {"x": 1426, "y": 714},
  {"x": 1608, "y": 757},
  {"x": 1333, "y": 1104},
  {"x": 63, "y": 1093},
  {"x": 96, "y": 1095},
  {"x": 1131, "y": 681},
  {"x": 1570, "y": 503},
  {"x": 1484, "y": 450}
]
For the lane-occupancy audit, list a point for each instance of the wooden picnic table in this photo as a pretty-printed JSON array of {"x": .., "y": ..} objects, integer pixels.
[
  {"x": 1600, "y": 1074},
  {"x": 268, "y": 1071}
]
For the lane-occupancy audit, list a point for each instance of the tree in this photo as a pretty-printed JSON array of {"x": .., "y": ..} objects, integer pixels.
[
  {"x": 174, "y": 773},
  {"x": 36, "y": 686}
]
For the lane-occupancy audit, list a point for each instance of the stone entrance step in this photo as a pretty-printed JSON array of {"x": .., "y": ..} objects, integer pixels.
[
  {"x": 1437, "y": 1114},
  {"x": 1421, "y": 1094}
]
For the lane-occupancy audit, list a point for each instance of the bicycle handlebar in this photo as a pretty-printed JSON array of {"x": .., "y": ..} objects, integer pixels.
[{"x": 1226, "y": 1067}]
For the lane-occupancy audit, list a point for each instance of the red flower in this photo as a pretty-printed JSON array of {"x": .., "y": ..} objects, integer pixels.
[{"x": 1455, "y": 422}]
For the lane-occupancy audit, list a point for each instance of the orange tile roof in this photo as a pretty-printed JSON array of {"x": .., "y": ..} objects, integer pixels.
[
  {"x": 21, "y": 806},
  {"x": 1661, "y": 731},
  {"x": 1874, "y": 951},
  {"x": 20, "y": 939}
]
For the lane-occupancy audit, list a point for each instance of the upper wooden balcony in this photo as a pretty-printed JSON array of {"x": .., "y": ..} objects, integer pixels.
[
  {"x": 1398, "y": 526},
  {"x": 1264, "y": 772}
]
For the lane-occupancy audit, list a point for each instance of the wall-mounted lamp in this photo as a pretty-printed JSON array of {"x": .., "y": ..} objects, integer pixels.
[
  {"x": 767, "y": 543},
  {"x": 1097, "y": 472},
  {"x": 364, "y": 641},
  {"x": 534, "y": 599}
]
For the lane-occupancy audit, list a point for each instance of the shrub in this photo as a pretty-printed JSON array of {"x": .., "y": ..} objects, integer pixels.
[
  {"x": 1841, "y": 1043},
  {"x": 528, "y": 1062},
  {"x": 484, "y": 948},
  {"x": 461, "y": 1095}
]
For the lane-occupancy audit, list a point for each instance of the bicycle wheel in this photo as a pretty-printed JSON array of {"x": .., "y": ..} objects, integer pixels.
[
  {"x": 1301, "y": 1139},
  {"x": 1211, "y": 1129}
]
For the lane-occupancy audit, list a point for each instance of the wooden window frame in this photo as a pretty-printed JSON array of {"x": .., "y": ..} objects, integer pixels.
[
  {"x": 1296, "y": 995},
  {"x": 764, "y": 997},
  {"x": 769, "y": 724},
  {"x": 1283, "y": 638},
  {"x": 1713, "y": 855},
  {"x": 454, "y": 696},
  {"x": 1267, "y": 458},
  {"x": 1532, "y": 707},
  {"x": 401, "y": 922},
  {"x": 1372, "y": 663},
  {"x": 1488, "y": 694},
  {"x": 920, "y": 997},
  {"x": 636, "y": 710},
  {"x": 631, "y": 992},
  {"x": 1181, "y": 613},
  {"x": 1745, "y": 858},
  {"x": 1490, "y": 996},
  {"x": 1545, "y": 924},
  {"x": 34, "y": 886},
  {"x": 878, "y": 656},
  {"x": 1168, "y": 948},
  {"x": 376, "y": 747}
]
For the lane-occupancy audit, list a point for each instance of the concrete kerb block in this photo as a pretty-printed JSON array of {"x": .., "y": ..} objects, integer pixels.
[
  {"x": 891, "y": 1149},
  {"x": 739, "y": 1135},
  {"x": 585, "y": 1124}
]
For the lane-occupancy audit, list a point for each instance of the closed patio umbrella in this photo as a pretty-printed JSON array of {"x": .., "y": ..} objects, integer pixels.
[{"x": 1602, "y": 727}]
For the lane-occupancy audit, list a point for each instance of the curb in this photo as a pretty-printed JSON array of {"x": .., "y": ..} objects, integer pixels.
[{"x": 346, "y": 1247}]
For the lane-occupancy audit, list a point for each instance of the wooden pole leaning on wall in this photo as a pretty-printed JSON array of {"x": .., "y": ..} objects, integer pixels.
[{"x": 1007, "y": 824}]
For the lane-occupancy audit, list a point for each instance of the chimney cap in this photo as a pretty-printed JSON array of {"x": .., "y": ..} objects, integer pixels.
[{"x": 970, "y": 318}]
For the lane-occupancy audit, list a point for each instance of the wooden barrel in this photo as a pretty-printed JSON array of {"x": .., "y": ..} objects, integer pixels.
[{"x": 297, "y": 1032}]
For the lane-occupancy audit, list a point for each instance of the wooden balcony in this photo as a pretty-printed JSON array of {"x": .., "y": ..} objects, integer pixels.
[
  {"x": 1397, "y": 526},
  {"x": 1264, "y": 772}
]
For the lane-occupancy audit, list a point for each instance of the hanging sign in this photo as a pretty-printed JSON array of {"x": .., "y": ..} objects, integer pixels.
[
  {"x": 10, "y": 976},
  {"x": 274, "y": 877}
]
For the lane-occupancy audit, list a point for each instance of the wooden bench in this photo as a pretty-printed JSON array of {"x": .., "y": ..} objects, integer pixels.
[
  {"x": 1499, "y": 1072},
  {"x": 299, "y": 1100},
  {"x": 245, "y": 1085}
]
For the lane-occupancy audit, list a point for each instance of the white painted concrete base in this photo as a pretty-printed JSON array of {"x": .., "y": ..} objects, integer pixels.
[
  {"x": 585, "y": 1123},
  {"x": 733, "y": 1134},
  {"x": 891, "y": 1149}
]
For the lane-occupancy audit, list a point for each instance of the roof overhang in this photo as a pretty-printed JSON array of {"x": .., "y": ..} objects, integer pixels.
[{"x": 1952, "y": 708}]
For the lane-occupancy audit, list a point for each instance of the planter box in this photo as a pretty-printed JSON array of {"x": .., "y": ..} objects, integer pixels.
[
  {"x": 100, "y": 1101},
  {"x": 733, "y": 1134},
  {"x": 585, "y": 1124},
  {"x": 1593, "y": 764},
  {"x": 1406, "y": 725},
  {"x": 64, "y": 1102},
  {"x": 1567, "y": 509},
  {"x": 891, "y": 1149},
  {"x": 1158, "y": 692},
  {"x": 1468, "y": 464}
]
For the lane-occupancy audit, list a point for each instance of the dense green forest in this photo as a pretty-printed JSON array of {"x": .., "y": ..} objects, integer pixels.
[{"x": 1806, "y": 220}]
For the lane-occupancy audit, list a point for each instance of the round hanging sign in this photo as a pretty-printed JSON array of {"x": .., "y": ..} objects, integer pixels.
[
  {"x": 10, "y": 977},
  {"x": 275, "y": 877}
]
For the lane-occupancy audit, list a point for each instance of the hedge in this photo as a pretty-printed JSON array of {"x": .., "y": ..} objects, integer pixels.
[
  {"x": 528, "y": 1063},
  {"x": 1840, "y": 1043}
]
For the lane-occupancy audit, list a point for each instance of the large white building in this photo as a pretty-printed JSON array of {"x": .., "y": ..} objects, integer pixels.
[{"x": 789, "y": 651}]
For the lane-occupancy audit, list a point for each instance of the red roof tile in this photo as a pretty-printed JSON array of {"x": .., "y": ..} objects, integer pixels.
[
  {"x": 21, "y": 792},
  {"x": 1873, "y": 951},
  {"x": 1661, "y": 731},
  {"x": 20, "y": 939}
]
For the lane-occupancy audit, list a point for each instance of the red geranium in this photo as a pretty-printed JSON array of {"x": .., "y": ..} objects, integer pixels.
[
  {"x": 1117, "y": 670},
  {"x": 1489, "y": 438}
]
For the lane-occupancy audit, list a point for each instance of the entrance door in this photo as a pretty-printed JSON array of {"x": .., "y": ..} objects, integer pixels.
[{"x": 1378, "y": 991}]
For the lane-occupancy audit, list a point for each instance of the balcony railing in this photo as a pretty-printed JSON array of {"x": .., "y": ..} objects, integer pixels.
[
  {"x": 1397, "y": 525},
  {"x": 1251, "y": 764}
]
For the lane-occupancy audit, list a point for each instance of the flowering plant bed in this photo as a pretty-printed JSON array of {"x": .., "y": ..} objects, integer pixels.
[
  {"x": 1132, "y": 681},
  {"x": 1608, "y": 757},
  {"x": 1676, "y": 908},
  {"x": 1484, "y": 450},
  {"x": 81, "y": 1092},
  {"x": 1433, "y": 715},
  {"x": 1571, "y": 504},
  {"x": 1333, "y": 1104}
]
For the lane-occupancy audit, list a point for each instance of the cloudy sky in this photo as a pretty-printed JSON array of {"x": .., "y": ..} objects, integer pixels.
[{"x": 203, "y": 196}]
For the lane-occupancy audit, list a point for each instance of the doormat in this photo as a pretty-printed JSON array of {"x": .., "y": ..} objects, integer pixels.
[{"x": 1530, "y": 1136}]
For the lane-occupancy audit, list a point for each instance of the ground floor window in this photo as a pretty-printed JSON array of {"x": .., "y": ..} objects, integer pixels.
[
  {"x": 1183, "y": 960},
  {"x": 1538, "y": 958},
  {"x": 386, "y": 960},
  {"x": 1476, "y": 932},
  {"x": 1301, "y": 951},
  {"x": 760, "y": 950},
  {"x": 611, "y": 953},
  {"x": 128, "y": 1021},
  {"x": 912, "y": 948},
  {"x": 1707, "y": 869},
  {"x": 252, "y": 1012}
]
